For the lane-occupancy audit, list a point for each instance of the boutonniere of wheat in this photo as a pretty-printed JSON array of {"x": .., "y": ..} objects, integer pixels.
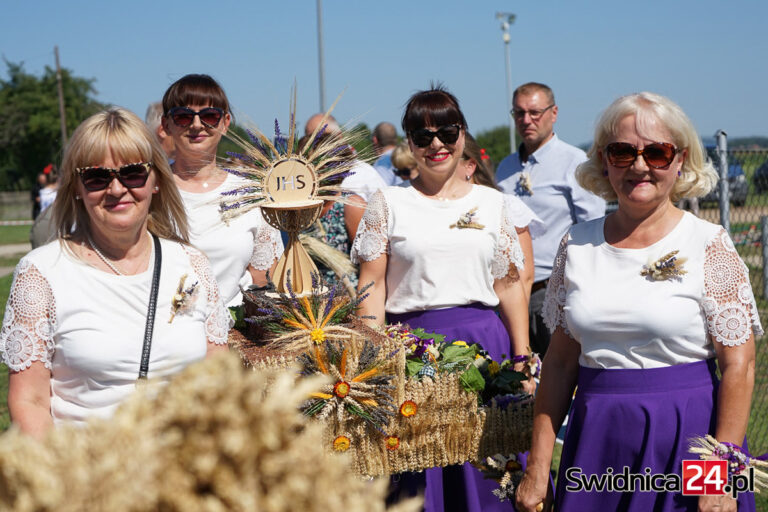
[
  {"x": 669, "y": 266},
  {"x": 468, "y": 220}
]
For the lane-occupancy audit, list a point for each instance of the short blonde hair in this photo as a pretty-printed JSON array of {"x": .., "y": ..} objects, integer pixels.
[
  {"x": 697, "y": 175},
  {"x": 402, "y": 158},
  {"x": 121, "y": 133}
]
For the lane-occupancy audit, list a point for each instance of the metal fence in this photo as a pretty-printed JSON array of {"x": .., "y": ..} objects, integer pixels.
[{"x": 740, "y": 204}]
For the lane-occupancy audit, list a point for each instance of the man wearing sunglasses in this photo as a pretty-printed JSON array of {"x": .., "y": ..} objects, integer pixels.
[{"x": 541, "y": 174}]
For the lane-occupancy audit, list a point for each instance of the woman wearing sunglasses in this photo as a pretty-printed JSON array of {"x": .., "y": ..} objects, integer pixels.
[
  {"x": 76, "y": 318},
  {"x": 442, "y": 254},
  {"x": 642, "y": 304},
  {"x": 196, "y": 115}
]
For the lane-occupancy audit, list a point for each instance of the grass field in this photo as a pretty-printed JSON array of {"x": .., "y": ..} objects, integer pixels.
[{"x": 14, "y": 234}]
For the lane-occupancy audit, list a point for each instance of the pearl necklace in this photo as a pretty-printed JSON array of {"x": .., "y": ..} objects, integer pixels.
[{"x": 102, "y": 257}]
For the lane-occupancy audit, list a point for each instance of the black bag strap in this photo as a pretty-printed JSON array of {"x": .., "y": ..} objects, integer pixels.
[{"x": 144, "y": 367}]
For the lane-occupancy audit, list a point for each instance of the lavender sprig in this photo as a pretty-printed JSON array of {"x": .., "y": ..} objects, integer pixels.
[
  {"x": 288, "y": 286},
  {"x": 254, "y": 138},
  {"x": 241, "y": 191},
  {"x": 331, "y": 295},
  {"x": 320, "y": 133},
  {"x": 224, "y": 207},
  {"x": 240, "y": 156},
  {"x": 242, "y": 174}
]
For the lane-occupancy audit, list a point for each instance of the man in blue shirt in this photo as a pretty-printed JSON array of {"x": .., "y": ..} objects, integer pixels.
[
  {"x": 541, "y": 174},
  {"x": 384, "y": 139}
]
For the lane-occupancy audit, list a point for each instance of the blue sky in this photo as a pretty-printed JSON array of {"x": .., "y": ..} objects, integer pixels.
[{"x": 708, "y": 56}]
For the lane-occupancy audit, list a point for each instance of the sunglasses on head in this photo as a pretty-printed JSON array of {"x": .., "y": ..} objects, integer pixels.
[
  {"x": 447, "y": 134},
  {"x": 99, "y": 178},
  {"x": 185, "y": 116},
  {"x": 657, "y": 155}
]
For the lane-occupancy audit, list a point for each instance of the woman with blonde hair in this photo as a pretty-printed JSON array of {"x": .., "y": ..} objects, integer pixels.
[
  {"x": 404, "y": 163},
  {"x": 643, "y": 304},
  {"x": 119, "y": 295}
]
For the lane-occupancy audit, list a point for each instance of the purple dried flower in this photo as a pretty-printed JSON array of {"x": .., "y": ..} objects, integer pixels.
[
  {"x": 223, "y": 207},
  {"x": 240, "y": 191},
  {"x": 239, "y": 156},
  {"x": 254, "y": 138},
  {"x": 242, "y": 174},
  {"x": 330, "y": 300},
  {"x": 277, "y": 129},
  {"x": 288, "y": 286},
  {"x": 320, "y": 133}
]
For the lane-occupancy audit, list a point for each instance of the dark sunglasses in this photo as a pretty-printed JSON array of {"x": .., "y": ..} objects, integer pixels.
[
  {"x": 403, "y": 173},
  {"x": 99, "y": 178},
  {"x": 657, "y": 155},
  {"x": 185, "y": 116},
  {"x": 447, "y": 134}
]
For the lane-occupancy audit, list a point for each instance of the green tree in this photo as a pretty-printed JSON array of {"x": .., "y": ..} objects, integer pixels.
[
  {"x": 495, "y": 142},
  {"x": 30, "y": 127}
]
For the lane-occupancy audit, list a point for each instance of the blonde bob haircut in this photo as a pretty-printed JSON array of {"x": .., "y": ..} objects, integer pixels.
[
  {"x": 121, "y": 134},
  {"x": 697, "y": 175}
]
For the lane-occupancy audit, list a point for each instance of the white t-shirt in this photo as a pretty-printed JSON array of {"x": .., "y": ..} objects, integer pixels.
[
  {"x": 622, "y": 319},
  {"x": 432, "y": 265},
  {"x": 47, "y": 197},
  {"x": 87, "y": 326},
  {"x": 364, "y": 182},
  {"x": 231, "y": 246}
]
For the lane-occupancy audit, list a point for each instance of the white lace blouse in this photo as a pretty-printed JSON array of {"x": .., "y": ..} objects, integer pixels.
[
  {"x": 625, "y": 320},
  {"x": 436, "y": 259},
  {"x": 231, "y": 246},
  {"x": 87, "y": 326}
]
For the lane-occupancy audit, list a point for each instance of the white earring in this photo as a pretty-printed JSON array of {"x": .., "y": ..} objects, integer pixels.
[
  {"x": 77, "y": 197},
  {"x": 469, "y": 177},
  {"x": 157, "y": 189}
]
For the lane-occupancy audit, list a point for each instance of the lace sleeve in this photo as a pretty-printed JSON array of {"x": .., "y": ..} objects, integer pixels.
[
  {"x": 554, "y": 299},
  {"x": 267, "y": 247},
  {"x": 30, "y": 320},
  {"x": 508, "y": 256},
  {"x": 728, "y": 303},
  {"x": 218, "y": 321},
  {"x": 372, "y": 238}
]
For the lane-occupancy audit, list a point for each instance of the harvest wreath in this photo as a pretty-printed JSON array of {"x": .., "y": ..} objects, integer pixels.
[{"x": 397, "y": 399}]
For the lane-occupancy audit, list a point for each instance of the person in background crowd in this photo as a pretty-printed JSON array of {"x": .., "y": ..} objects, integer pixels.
[
  {"x": 476, "y": 164},
  {"x": 541, "y": 174},
  {"x": 40, "y": 182},
  {"x": 196, "y": 114},
  {"x": 74, "y": 325},
  {"x": 404, "y": 164},
  {"x": 384, "y": 139},
  {"x": 338, "y": 222},
  {"x": 410, "y": 244},
  {"x": 154, "y": 120},
  {"x": 642, "y": 303},
  {"x": 364, "y": 181},
  {"x": 48, "y": 192}
]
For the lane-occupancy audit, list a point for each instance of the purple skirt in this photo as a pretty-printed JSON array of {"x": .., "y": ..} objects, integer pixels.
[
  {"x": 459, "y": 488},
  {"x": 639, "y": 419}
]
